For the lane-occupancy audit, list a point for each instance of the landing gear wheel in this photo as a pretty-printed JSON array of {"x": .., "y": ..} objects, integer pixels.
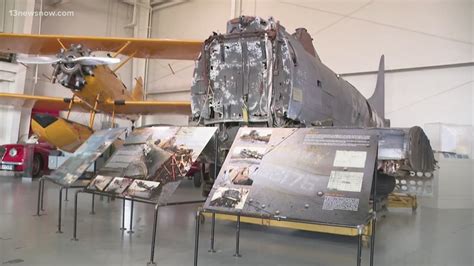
[{"x": 37, "y": 166}]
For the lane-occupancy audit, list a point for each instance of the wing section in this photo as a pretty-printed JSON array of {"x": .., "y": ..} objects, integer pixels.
[
  {"x": 147, "y": 107},
  {"x": 141, "y": 48},
  {"x": 42, "y": 102}
]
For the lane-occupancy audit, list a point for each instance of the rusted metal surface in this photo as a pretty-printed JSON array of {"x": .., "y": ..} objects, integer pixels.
[{"x": 259, "y": 73}]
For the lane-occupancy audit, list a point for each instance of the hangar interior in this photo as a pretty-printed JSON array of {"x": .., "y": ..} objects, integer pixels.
[{"x": 429, "y": 64}]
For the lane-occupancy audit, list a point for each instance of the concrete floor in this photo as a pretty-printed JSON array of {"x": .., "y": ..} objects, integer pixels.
[{"x": 430, "y": 237}]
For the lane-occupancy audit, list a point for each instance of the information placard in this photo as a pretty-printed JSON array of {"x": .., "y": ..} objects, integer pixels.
[
  {"x": 152, "y": 162},
  {"x": 308, "y": 174}
]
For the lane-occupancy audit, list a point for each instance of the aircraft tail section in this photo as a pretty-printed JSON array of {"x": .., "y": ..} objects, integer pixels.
[
  {"x": 377, "y": 100},
  {"x": 137, "y": 92}
]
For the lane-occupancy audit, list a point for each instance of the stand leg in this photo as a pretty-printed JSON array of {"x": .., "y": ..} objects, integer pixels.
[
  {"x": 359, "y": 249},
  {"x": 60, "y": 210},
  {"x": 237, "y": 239},
  {"x": 75, "y": 216},
  {"x": 196, "y": 237},
  {"x": 372, "y": 243},
  {"x": 40, "y": 192},
  {"x": 123, "y": 228},
  {"x": 213, "y": 226},
  {"x": 153, "y": 239},
  {"x": 66, "y": 195},
  {"x": 93, "y": 204},
  {"x": 131, "y": 219}
]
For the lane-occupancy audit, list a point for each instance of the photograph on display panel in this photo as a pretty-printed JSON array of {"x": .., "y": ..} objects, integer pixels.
[
  {"x": 119, "y": 185},
  {"x": 143, "y": 189},
  {"x": 239, "y": 174},
  {"x": 247, "y": 154},
  {"x": 252, "y": 135},
  {"x": 184, "y": 146},
  {"x": 100, "y": 182},
  {"x": 227, "y": 197}
]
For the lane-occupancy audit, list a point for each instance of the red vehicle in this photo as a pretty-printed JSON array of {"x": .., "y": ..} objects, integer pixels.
[
  {"x": 14, "y": 158},
  {"x": 195, "y": 173}
]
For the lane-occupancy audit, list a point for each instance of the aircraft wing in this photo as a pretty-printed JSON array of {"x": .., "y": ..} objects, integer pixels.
[
  {"x": 121, "y": 107},
  {"x": 41, "y": 102},
  {"x": 141, "y": 48},
  {"x": 147, "y": 107}
]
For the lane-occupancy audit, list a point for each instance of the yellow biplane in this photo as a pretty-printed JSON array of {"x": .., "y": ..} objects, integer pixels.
[{"x": 95, "y": 87}]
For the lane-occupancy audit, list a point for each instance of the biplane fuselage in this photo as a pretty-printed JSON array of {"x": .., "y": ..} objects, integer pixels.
[
  {"x": 106, "y": 86},
  {"x": 101, "y": 87}
]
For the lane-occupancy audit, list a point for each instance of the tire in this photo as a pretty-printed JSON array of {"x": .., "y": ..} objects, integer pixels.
[
  {"x": 385, "y": 184},
  {"x": 208, "y": 179},
  {"x": 37, "y": 166},
  {"x": 197, "y": 178}
]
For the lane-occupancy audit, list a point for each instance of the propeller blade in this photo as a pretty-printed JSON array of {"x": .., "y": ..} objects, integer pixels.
[
  {"x": 37, "y": 59},
  {"x": 95, "y": 60}
]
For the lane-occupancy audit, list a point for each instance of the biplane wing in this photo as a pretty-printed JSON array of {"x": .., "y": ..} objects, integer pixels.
[
  {"x": 147, "y": 107},
  {"x": 141, "y": 48},
  {"x": 119, "y": 107},
  {"x": 42, "y": 102}
]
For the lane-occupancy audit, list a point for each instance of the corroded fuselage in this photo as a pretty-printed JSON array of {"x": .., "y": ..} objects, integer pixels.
[{"x": 257, "y": 73}]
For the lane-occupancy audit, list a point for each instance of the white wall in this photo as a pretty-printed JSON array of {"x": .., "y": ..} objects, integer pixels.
[
  {"x": 12, "y": 76},
  {"x": 12, "y": 80},
  {"x": 187, "y": 19}
]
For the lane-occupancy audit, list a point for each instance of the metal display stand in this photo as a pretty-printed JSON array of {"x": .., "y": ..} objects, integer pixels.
[
  {"x": 130, "y": 231},
  {"x": 68, "y": 174},
  {"x": 370, "y": 222},
  {"x": 156, "y": 159},
  {"x": 40, "y": 205}
]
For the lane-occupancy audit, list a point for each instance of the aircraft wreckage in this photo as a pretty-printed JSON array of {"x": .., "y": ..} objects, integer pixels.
[{"x": 258, "y": 75}]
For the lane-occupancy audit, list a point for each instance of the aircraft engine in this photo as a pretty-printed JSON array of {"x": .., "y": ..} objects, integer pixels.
[{"x": 71, "y": 73}]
